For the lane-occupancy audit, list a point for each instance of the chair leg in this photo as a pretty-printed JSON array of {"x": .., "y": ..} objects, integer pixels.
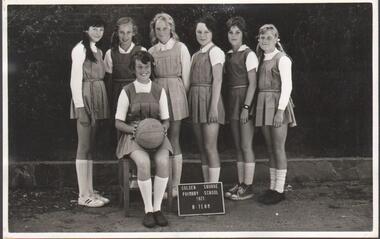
[
  {"x": 121, "y": 184},
  {"x": 126, "y": 186},
  {"x": 170, "y": 187}
]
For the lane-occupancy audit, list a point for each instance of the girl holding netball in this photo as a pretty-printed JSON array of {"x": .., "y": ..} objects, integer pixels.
[{"x": 137, "y": 101}]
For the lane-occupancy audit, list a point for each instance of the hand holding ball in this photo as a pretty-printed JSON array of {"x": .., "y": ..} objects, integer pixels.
[{"x": 149, "y": 133}]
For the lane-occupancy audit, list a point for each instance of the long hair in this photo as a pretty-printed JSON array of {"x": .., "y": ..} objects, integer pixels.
[
  {"x": 91, "y": 21},
  {"x": 263, "y": 29},
  {"x": 240, "y": 23},
  {"x": 115, "y": 41},
  {"x": 166, "y": 18}
]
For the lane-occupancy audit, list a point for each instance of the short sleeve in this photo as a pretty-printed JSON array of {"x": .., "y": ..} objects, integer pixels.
[
  {"x": 216, "y": 56},
  {"x": 251, "y": 62},
  {"x": 122, "y": 106}
]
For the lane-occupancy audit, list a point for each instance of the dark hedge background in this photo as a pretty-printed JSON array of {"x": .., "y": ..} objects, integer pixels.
[{"x": 330, "y": 44}]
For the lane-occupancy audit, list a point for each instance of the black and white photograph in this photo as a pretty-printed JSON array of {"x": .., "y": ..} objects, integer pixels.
[{"x": 191, "y": 119}]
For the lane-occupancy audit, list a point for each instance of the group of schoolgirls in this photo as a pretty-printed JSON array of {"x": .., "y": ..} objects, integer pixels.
[{"x": 166, "y": 83}]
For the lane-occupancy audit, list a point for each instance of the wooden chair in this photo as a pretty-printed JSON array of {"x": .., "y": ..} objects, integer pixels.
[{"x": 125, "y": 165}]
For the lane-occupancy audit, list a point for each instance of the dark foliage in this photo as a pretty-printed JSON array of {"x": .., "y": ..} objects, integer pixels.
[{"x": 330, "y": 44}]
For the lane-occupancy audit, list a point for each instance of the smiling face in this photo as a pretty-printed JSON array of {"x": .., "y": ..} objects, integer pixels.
[
  {"x": 162, "y": 31},
  {"x": 143, "y": 71},
  {"x": 235, "y": 37},
  {"x": 267, "y": 41},
  {"x": 203, "y": 34},
  {"x": 95, "y": 33},
  {"x": 125, "y": 33}
]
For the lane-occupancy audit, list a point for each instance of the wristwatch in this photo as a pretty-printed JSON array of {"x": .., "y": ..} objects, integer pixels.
[{"x": 246, "y": 107}]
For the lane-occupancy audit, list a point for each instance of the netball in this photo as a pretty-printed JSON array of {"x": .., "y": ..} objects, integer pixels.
[{"x": 149, "y": 133}]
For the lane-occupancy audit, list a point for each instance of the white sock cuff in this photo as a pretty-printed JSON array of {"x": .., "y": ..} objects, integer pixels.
[
  {"x": 281, "y": 171},
  {"x": 250, "y": 164},
  {"x": 177, "y": 157},
  {"x": 214, "y": 174},
  {"x": 158, "y": 178}
]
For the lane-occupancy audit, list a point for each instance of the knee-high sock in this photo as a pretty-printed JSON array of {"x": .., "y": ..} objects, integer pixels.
[
  {"x": 280, "y": 180},
  {"x": 205, "y": 173},
  {"x": 82, "y": 171},
  {"x": 177, "y": 169},
  {"x": 159, "y": 190},
  {"x": 240, "y": 170},
  {"x": 214, "y": 174},
  {"x": 249, "y": 172},
  {"x": 90, "y": 166},
  {"x": 272, "y": 174},
  {"x": 146, "y": 194}
]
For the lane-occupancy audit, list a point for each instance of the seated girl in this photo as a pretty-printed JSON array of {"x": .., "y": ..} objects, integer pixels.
[{"x": 139, "y": 100}]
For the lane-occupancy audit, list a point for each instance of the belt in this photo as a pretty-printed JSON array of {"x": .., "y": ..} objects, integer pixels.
[
  {"x": 201, "y": 84},
  {"x": 238, "y": 86},
  {"x": 92, "y": 80},
  {"x": 269, "y": 90}
]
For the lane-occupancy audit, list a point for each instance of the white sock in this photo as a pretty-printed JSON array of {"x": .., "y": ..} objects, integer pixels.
[
  {"x": 214, "y": 174},
  {"x": 146, "y": 194},
  {"x": 82, "y": 171},
  {"x": 249, "y": 172},
  {"x": 272, "y": 173},
  {"x": 240, "y": 170},
  {"x": 280, "y": 180},
  {"x": 177, "y": 169},
  {"x": 159, "y": 190},
  {"x": 90, "y": 166},
  {"x": 205, "y": 172}
]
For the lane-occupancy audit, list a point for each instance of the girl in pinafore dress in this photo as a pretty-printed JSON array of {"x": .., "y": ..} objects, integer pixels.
[
  {"x": 118, "y": 58},
  {"x": 89, "y": 104},
  {"x": 172, "y": 59},
  {"x": 137, "y": 101},
  {"x": 118, "y": 73},
  {"x": 205, "y": 102},
  {"x": 274, "y": 111},
  {"x": 240, "y": 68}
]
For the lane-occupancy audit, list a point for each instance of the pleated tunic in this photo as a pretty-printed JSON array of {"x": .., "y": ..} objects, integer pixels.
[
  {"x": 237, "y": 83},
  {"x": 142, "y": 105},
  {"x": 168, "y": 75},
  {"x": 94, "y": 93},
  {"x": 200, "y": 94},
  {"x": 269, "y": 92}
]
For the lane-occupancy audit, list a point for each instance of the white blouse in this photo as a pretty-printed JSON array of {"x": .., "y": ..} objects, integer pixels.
[
  {"x": 108, "y": 58},
  {"x": 216, "y": 54},
  {"x": 251, "y": 62},
  {"x": 123, "y": 102},
  {"x": 185, "y": 57}
]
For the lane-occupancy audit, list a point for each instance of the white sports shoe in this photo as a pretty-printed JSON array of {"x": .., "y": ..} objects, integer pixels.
[
  {"x": 90, "y": 202},
  {"x": 97, "y": 195}
]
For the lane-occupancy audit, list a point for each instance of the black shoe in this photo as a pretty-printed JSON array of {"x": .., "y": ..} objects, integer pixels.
[
  {"x": 149, "y": 220},
  {"x": 160, "y": 219},
  {"x": 274, "y": 198},
  {"x": 263, "y": 196}
]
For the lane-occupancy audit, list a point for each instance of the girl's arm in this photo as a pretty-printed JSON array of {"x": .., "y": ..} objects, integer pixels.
[
  {"x": 121, "y": 114},
  {"x": 78, "y": 57},
  {"x": 251, "y": 65},
  {"x": 217, "y": 60},
  {"x": 164, "y": 110},
  {"x": 185, "y": 63},
  {"x": 285, "y": 68}
]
